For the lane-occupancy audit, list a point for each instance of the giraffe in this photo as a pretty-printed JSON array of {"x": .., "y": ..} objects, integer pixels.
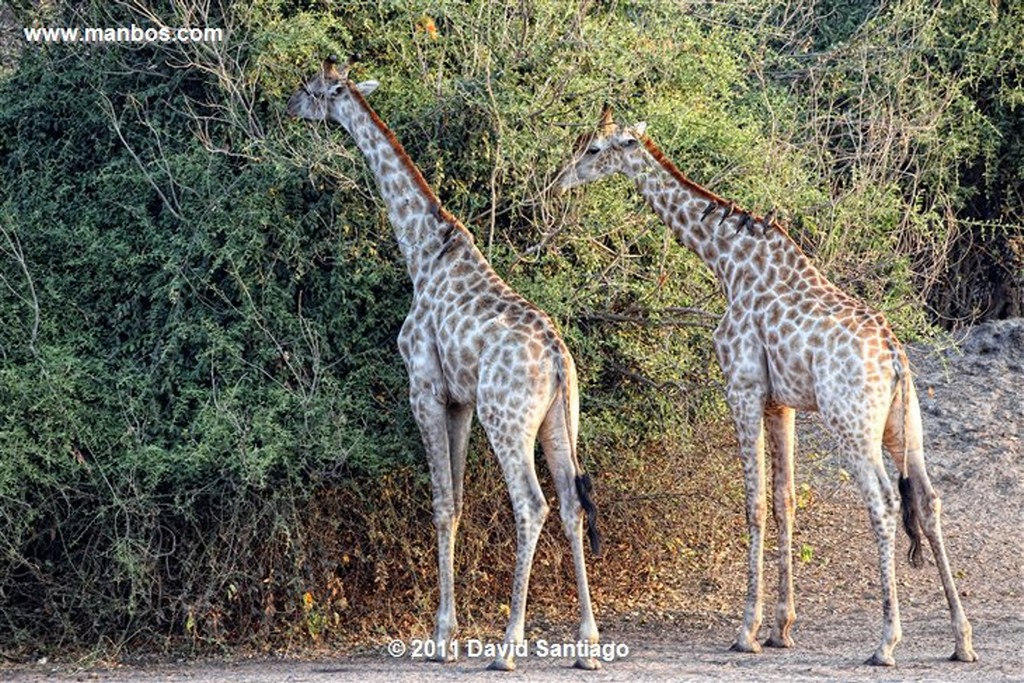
[
  {"x": 470, "y": 341},
  {"x": 791, "y": 340}
]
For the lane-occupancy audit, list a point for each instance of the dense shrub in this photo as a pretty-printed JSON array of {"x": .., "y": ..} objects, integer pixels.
[{"x": 204, "y": 434}]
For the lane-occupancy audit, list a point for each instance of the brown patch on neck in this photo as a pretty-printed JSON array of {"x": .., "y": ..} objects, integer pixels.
[{"x": 437, "y": 209}]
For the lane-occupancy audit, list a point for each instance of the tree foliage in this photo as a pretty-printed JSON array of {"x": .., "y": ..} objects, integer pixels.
[{"x": 202, "y": 411}]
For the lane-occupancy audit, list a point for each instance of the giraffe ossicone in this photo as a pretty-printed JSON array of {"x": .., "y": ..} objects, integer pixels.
[
  {"x": 470, "y": 342},
  {"x": 791, "y": 340}
]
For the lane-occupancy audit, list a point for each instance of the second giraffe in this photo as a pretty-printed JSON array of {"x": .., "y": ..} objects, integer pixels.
[{"x": 791, "y": 340}]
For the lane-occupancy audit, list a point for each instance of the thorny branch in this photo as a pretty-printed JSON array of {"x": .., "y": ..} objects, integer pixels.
[
  {"x": 14, "y": 249},
  {"x": 705, "y": 318},
  {"x": 169, "y": 198},
  {"x": 660, "y": 386}
]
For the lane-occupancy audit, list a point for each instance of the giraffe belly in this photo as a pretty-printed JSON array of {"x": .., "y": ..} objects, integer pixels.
[{"x": 791, "y": 381}]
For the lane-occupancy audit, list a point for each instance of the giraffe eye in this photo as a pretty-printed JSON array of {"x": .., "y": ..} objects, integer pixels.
[{"x": 593, "y": 149}]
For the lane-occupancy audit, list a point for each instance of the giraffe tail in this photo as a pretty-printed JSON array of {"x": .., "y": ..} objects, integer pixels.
[
  {"x": 911, "y": 522},
  {"x": 909, "y": 506},
  {"x": 584, "y": 488},
  {"x": 583, "y": 482}
]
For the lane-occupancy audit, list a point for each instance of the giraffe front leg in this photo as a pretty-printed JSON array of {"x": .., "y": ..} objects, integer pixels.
[
  {"x": 446, "y": 623},
  {"x": 780, "y": 427},
  {"x": 744, "y": 366},
  {"x": 447, "y": 514},
  {"x": 431, "y": 418},
  {"x": 747, "y": 414},
  {"x": 460, "y": 419}
]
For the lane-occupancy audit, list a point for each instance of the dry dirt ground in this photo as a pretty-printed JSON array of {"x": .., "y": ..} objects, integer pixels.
[{"x": 974, "y": 420}]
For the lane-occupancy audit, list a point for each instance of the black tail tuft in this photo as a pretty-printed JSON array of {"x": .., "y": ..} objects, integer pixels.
[
  {"x": 910, "y": 521},
  {"x": 584, "y": 487}
]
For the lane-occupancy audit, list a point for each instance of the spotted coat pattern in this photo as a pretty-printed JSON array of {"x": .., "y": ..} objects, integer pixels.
[
  {"x": 791, "y": 340},
  {"x": 469, "y": 341}
]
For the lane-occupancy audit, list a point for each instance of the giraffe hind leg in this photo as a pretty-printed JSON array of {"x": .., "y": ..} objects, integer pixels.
[
  {"x": 929, "y": 507},
  {"x": 574, "y": 504},
  {"x": 922, "y": 507},
  {"x": 530, "y": 510},
  {"x": 883, "y": 508},
  {"x": 779, "y": 422}
]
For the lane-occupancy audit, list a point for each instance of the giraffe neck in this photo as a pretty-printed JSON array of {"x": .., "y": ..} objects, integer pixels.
[
  {"x": 736, "y": 246},
  {"x": 423, "y": 229}
]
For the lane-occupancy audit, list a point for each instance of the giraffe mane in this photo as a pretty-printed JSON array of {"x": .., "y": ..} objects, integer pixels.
[
  {"x": 437, "y": 209},
  {"x": 674, "y": 171}
]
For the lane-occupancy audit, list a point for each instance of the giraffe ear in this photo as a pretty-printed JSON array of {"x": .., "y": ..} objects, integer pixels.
[
  {"x": 640, "y": 128},
  {"x": 366, "y": 87}
]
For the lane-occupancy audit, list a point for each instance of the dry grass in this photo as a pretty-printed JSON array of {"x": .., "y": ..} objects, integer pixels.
[{"x": 673, "y": 531}]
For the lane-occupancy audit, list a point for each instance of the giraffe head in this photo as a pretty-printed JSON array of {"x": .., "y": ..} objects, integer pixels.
[
  {"x": 609, "y": 150},
  {"x": 324, "y": 96}
]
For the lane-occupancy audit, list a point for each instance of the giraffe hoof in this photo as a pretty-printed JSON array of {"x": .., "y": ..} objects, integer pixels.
[
  {"x": 442, "y": 658},
  {"x": 752, "y": 647},
  {"x": 588, "y": 664},
  {"x": 968, "y": 655},
  {"x": 779, "y": 642},
  {"x": 880, "y": 660},
  {"x": 502, "y": 664},
  {"x": 443, "y": 652}
]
